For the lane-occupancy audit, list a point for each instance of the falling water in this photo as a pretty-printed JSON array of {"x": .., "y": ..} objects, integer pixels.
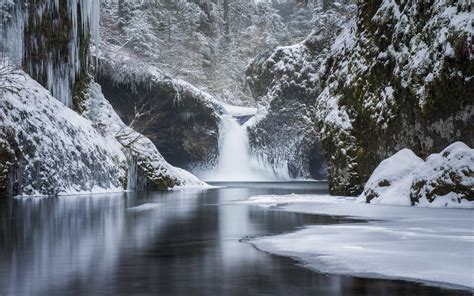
[{"x": 235, "y": 163}]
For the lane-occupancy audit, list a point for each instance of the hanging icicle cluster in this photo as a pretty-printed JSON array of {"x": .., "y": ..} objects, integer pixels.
[{"x": 52, "y": 40}]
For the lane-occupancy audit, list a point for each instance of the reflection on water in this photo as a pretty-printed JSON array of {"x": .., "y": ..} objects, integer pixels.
[{"x": 169, "y": 243}]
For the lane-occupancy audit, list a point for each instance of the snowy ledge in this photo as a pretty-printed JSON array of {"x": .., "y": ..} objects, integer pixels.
[{"x": 428, "y": 245}]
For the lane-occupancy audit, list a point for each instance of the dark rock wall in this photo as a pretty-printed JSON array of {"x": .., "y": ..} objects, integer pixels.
[{"x": 185, "y": 131}]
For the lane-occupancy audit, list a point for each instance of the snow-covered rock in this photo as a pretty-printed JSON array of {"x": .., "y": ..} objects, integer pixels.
[
  {"x": 444, "y": 179},
  {"x": 285, "y": 84},
  {"x": 48, "y": 149},
  {"x": 283, "y": 131}
]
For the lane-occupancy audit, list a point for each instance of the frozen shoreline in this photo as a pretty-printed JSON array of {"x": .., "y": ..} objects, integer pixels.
[{"x": 428, "y": 245}]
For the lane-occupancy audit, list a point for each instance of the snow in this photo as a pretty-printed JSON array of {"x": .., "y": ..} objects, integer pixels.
[
  {"x": 420, "y": 244},
  {"x": 331, "y": 112},
  {"x": 396, "y": 178},
  {"x": 237, "y": 111},
  {"x": 398, "y": 172},
  {"x": 346, "y": 39}
]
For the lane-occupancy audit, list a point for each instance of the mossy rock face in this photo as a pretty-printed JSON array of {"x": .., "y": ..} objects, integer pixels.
[
  {"x": 151, "y": 180},
  {"x": 393, "y": 99},
  {"x": 5, "y": 159}
]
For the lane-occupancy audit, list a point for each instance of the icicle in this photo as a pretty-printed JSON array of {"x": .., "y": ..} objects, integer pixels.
[
  {"x": 132, "y": 173},
  {"x": 11, "y": 31},
  {"x": 60, "y": 76}
]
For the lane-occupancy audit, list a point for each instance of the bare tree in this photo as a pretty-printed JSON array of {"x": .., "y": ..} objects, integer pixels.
[{"x": 144, "y": 115}]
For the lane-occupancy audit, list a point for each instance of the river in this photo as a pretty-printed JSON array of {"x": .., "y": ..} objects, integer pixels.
[{"x": 182, "y": 242}]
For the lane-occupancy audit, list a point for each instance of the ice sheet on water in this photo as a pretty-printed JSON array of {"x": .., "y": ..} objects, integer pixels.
[{"x": 421, "y": 244}]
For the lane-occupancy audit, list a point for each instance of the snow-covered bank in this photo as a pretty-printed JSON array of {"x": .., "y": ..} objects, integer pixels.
[
  {"x": 421, "y": 244},
  {"x": 48, "y": 149}
]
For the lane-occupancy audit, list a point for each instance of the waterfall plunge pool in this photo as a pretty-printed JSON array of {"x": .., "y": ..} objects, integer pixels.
[{"x": 183, "y": 242}]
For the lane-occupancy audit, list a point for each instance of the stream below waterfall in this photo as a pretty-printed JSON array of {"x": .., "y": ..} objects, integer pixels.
[{"x": 182, "y": 242}]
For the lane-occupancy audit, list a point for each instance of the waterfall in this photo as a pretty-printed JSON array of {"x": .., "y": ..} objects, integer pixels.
[{"x": 235, "y": 163}]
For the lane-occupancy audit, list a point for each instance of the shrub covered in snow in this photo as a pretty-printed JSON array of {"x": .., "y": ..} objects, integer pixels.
[{"x": 405, "y": 179}]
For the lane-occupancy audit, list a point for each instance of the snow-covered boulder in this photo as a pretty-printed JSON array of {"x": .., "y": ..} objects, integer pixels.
[
  {"x": 391, "y": 181},
  {"x": 444, "y": 179},
  {"x": 48, "y": 149}
]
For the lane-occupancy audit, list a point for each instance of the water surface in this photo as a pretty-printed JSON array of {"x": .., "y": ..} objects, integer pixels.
[{"x": 186, "y": 242}]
